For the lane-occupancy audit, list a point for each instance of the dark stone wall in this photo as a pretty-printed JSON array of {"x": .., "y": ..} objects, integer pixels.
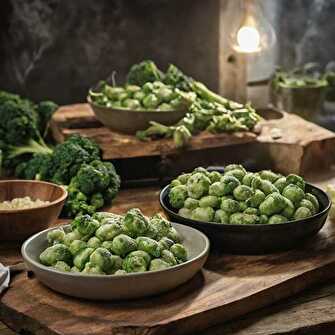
[
  {"x": 57, "y": 49},
  {"x": 306, "y": 31}
]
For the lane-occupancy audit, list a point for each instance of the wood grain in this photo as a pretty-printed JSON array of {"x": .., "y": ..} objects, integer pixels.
[
  {"x": 71, "y": 119},
  {"x": 300, "y": 146},
  {"x": 4, "y": 330},
  {"x": 228, "y": 287},
  {"x": 17, "y": 225},
  {"x": 303, "y": 147},
  {"x": 309, "y": 313}
]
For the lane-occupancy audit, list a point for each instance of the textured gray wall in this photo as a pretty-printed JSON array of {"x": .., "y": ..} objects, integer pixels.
[
  {"x": 58, "y": 48},
  {"x": 307, "y": 30},
  {"x": 305, "y": 33}
]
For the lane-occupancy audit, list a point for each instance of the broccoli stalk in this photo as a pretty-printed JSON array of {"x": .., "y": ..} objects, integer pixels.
[
  {"x": 91, "y": 183},
  {"x": 155, "y": 129},
  {"x": 206, "y": 109},
  {"x": 22, "y": 125},
  {"x": 31, "y": 147},
  {"x": 201, "y": 90}
]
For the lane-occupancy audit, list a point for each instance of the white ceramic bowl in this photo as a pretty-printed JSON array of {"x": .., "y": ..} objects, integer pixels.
[{"x": 110, "y": 287}]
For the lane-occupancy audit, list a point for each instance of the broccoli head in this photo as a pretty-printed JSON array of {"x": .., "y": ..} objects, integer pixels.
[
  {"x": 19, "y": 127},
  {"x": 94, "y": 186},
  {"x": 144, "y": 72},
  {"x": 176, "y": 78},
  {"x": 95, "y": 177},
  {"x": 45, "y": 110},
  {"x": 35, "y": 168},
  {"x": 69, "y": 156}
]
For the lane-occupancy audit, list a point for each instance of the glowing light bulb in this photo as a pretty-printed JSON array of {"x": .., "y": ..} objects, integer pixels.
[
  {"x": 248, "y": 39},
  {"x": 251, "y": 32}
]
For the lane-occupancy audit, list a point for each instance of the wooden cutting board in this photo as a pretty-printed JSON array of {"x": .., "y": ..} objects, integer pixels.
[
  {"x": 283, "y": 142},
  {"x": 229, "y": 286},
  {"x": 80, "y": 118}
]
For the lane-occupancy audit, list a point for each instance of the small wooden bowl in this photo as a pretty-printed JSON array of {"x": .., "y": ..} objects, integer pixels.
[{"x": 17, "y": 225}]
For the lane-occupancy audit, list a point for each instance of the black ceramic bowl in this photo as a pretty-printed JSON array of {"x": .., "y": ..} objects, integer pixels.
[{"x": 260, "y": 238}]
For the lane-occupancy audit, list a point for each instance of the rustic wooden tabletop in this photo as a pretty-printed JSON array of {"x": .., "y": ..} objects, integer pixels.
[{"x": 311, "y": 312}]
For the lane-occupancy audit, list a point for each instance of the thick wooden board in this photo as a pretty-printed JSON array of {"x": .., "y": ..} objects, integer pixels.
[
  {"x": 80, "y": 118},
  {"x": 229, "y": 286},
  {"x": 4, "y": 330},
  {"x": 309, "y": 313},
  {"x": 284, "y": 142}
]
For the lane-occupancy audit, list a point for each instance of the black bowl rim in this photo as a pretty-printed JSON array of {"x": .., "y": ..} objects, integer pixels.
[{"x": 245, "y": 226}]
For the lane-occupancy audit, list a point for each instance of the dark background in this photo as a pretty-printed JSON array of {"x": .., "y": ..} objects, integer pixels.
[
  {"x": 57, "y": 49},
  {"x": 306, "y": 31}
]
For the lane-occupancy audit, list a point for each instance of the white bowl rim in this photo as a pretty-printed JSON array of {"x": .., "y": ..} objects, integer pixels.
[{"x": 173, "y": 268}]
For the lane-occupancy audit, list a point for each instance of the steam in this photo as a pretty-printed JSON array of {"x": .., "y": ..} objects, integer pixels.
[
  {"x": 312, "y": 32},
  {"x": 30, "y": 31}
]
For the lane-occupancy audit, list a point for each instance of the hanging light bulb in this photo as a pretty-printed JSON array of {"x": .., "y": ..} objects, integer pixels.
[{"x": 252, "y": 32}]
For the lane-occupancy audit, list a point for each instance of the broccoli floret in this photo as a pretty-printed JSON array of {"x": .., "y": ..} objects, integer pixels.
[
  {"x": 144, "y": 72},
  {"x": 97, "y": 200},
  {"x": 45, "y": 110},
  {"x": 36, "y": 168},
  {"x": 95, "y": 177},
  {"x": 76, "y": 162},
  {"x": 19, "y": 127},
  {"x": 87, "y": 144},
  {"x": 90, "y": 179},
  {"x": 76, "y": 203},
  {"x": 95, "y": 185},
  {"x": 69, "y": 156},
  {"x": 175, "y": 77}
]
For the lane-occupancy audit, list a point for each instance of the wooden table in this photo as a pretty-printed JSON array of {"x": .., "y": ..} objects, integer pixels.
[
  {"x": 283, "y": 142},
  {"x": 310, "y": 313}
]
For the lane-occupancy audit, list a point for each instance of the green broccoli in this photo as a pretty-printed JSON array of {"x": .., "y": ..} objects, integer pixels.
[
  {"x": 45, "y": 110},
  {"x": 95, "y": 185},
  {"x": 144, "y": 72},
  {"x": 69, "y": 156},
  {"x": 19, "y": 126},
  {"x": 92, "y": 178},
  {"x": 36, "y": 168},
  {"x": 205, "y": 109},
  {"x": 177, "y": 78}
]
